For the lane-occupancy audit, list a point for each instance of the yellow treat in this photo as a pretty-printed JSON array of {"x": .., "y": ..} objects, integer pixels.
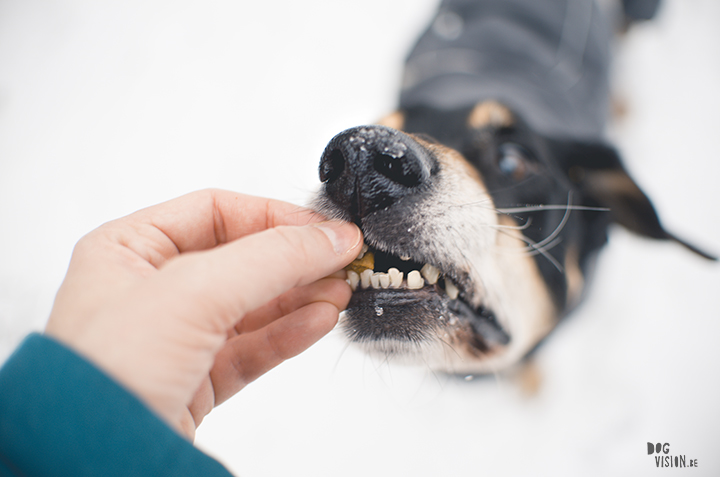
[{"x": 367, "y": 262}]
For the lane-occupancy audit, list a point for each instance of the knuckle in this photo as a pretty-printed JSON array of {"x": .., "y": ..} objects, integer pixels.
[{"x": 274, "y": 343}]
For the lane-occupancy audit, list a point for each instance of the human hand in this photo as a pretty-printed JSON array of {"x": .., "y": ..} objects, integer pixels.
[{"x": 186, "y": 302}]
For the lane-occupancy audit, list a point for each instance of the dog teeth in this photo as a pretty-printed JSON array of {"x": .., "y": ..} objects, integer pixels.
[
  {"x": 396, "y": 277},
  {"x": 365, "y": 278},
  {"x": 451, "y": 290},
  {"x": 353, "y": 279},
  {"x": 360, "y": 274},
  {"x": 379, "y": 280},
  {"x": 415, "y": 280},
  {"x": 430, "y": 273}
]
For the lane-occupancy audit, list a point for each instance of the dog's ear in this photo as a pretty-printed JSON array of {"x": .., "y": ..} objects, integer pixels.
[{"x": 597, "y": 171}]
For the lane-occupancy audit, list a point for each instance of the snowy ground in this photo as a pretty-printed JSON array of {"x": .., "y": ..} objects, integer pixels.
[{"x": 106, "y": 107}]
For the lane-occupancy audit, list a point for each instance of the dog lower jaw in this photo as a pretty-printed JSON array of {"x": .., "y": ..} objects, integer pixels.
[
  {"x": 440, "y": 353},
  {"x": 425, "y": 327}
]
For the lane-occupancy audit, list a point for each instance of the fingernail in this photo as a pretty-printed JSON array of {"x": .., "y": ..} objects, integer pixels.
[{"x": 343, "y": 235}]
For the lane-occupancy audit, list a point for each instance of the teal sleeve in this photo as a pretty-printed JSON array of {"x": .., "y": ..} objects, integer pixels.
[{"x": 60, "y": 415}]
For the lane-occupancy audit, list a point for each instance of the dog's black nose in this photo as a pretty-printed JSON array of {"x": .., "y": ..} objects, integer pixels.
[{"x": 369, "y": 168}]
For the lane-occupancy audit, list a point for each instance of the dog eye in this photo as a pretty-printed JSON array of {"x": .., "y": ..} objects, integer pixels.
[{"x": 513, "y": 161}]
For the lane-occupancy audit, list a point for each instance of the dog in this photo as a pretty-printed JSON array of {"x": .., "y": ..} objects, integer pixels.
[{"x": 485, "y": 198}]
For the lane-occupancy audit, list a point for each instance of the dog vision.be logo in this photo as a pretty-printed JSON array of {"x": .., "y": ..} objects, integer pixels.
[{"x": 663, "y": 459}]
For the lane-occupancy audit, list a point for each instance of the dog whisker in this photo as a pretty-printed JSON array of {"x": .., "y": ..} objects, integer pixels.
[
  {"x": 532, "y": 249},
  {"x": 542, "y": 247},
  {"x": 498, "y": 380},
  {"x": 531, "y": 208},
  {"x": 340, "y": 356},
  {"x": 439, "y": 382},
  {"x": 560, "y": 226},
  {"x": 546, "y": 247},
  {"x": 479, "y": 203},
  {"x": 450, "y": 346},
  {"x": 313, "y": 213},
  {"x": 544, "y": 252},
  {"x": 385, "y": 362},
  {"x": 512, "y": 227},
  {"x": 540, "y": 208}
]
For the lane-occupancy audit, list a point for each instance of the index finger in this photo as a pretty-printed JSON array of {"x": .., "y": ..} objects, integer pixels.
[{"x": 202, "y": 220}]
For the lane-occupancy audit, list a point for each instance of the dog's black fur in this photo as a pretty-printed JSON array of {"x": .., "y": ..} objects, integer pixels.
[{"x": 494, "y": 171}]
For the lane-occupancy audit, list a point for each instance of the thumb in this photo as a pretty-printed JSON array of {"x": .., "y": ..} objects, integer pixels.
[{"x": 229, "y": 281}]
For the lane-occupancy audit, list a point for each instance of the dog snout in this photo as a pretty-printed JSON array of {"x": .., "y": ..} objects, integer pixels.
[{"x": 369, "y": 168}]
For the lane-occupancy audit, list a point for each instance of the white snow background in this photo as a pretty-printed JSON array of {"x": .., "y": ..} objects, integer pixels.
[{"x": 108, "y": 107}]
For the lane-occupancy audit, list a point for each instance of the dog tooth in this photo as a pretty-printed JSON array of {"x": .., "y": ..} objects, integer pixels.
[
  {"x": 396, "y": 277},
  {"x": 362, "y": 251},
  {"x": 404, "y": 258},
  {"x": 451, "y": 290},
  {"x": 365, "y": 278},
  {"x": 353, "y": 279},
  {"x": 430, "y": 273},
  {"x": 415, "y": 280},
  {"x": 380, "y": 280}
]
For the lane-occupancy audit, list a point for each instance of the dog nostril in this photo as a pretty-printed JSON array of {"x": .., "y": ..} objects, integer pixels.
[
  {"x": 397, "y": 169},
  {"x": 333, "y": 166}
]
